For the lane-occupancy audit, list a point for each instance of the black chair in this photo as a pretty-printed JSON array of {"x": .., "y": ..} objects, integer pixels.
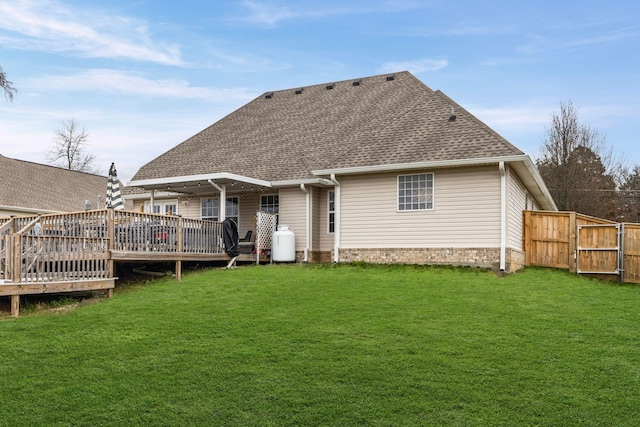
[{"x": 245, "y": 244}]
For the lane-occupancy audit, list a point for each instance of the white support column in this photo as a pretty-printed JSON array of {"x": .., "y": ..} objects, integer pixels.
[
  {"x": 503, "y": 217},
  {"x": 307, "y": 235},
  {"x": 153, "y": 199},
  {"x": 222, "y": 206},
  {"x": 336, "y": 226}
]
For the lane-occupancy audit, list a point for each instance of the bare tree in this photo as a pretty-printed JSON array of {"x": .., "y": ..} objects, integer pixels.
[
  {"x": 7, "y": 86},
  {"x": 579, "y": 168},
  {"x": 68, "y": 150}
]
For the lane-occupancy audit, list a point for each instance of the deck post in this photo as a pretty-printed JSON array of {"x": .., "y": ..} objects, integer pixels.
[
  {"x": 17, "y": 261},
  {"x": 178, "y": 270},
  {"x": 15, "y": 305}
]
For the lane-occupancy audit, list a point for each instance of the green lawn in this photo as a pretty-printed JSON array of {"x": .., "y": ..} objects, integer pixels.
[{"x": 332, "y": 345}]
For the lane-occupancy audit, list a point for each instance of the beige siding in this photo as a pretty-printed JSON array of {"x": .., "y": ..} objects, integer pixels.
[
  {"x": 516, "y": 203},
  {"x": 292, "y": 211},
  {"x": 316, "y": 218},
  {"x": 326, "y": 238},
  {"x": 466, "y": 212}
]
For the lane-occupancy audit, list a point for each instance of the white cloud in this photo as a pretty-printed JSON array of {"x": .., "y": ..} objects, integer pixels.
[
  {"x": 104, "y": 80},
  {"x": 272, "y": 12},
  {"x": 52, "y": 26},
  {"x": 415, "y": 67}
]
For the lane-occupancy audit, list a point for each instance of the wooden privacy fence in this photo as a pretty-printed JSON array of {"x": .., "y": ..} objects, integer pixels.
[{"x": 582, "y": 244}]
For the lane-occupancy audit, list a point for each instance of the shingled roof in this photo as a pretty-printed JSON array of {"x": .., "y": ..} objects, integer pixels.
[
  {"x": 35, "y": 187},
  {"x": 287, "y": 134}
]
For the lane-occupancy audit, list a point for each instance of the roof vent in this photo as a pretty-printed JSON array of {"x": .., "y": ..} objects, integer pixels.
[
  {"x": 331, "y": 86},
  {"x": 269, "y": 95},
  {"x": 452, "y": 117},
  {"x": 391, "y": 77},
  {"x": 299, "y": 91},
  {"x": 357, "y": 82}
]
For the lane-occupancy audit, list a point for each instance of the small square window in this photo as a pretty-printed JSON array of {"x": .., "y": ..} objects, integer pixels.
[{"x": 415, "y": 192}]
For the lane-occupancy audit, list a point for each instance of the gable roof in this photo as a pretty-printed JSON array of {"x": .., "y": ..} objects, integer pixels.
[
  {"x": 33, "y": 187},
  {"x": 300, "y": 134}
]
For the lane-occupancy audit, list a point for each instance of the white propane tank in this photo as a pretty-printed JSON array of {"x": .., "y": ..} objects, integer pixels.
[{"x": 284, "y": 245}]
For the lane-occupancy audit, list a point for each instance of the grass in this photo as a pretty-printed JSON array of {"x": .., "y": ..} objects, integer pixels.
[{"x": 332, "y": 345}]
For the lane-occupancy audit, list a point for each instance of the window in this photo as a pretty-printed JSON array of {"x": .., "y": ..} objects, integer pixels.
[
  {"x": 232, "y": 209},
  {"x": 269, "y": 203},
  {"x": 210, "y": 207},
  {"x": 167, "y": 207},
  {"x": 331, "y": 217},
  {"x": 415, "y": 192}
]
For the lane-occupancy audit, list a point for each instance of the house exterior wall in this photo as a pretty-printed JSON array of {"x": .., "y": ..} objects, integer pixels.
[
  {"x": 292, "y": 212},
  {"x": 466, "y": 212},
  {"x": 463, "y": 228},
  {"x": 517, "y": 200}
]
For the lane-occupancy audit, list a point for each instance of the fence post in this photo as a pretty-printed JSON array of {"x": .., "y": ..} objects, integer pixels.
[
  {"x": 526, "y": 237},
  {"x": 572, "y": 242}
]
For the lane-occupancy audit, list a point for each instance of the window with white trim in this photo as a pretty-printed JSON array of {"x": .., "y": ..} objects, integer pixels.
[
  {"x": 210, "y": 208},
  {"x": 232, "y": 209},
  {"x": 415, "y": 192},
  {"x": 331, "y": 211},
  {"x": 166, "y": 207},
  {"x": 270, "y": 203}
]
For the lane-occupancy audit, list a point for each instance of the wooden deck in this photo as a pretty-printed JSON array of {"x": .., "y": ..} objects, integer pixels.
[{"x": 77, "y": 251}]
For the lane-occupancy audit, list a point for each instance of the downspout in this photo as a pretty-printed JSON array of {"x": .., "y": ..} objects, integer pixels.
[
  {"x": 307, "y": 237},
  {"x": 153, "y": 199},
  {"x": 336, "y": 229},
  {"x": 503, "y": 217},
  {"x": 222, "y": 206}
]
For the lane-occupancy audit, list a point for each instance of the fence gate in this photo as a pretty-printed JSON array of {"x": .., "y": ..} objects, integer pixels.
[
  {"x": 599, "y": 248},
  {"x": 631, "y": 253}
]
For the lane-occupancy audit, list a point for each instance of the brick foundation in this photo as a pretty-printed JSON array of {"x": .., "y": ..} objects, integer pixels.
[{"x": 475, "y": 257}]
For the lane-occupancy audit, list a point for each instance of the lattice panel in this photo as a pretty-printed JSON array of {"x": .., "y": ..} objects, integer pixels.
[{"x": 265, "y": 227}]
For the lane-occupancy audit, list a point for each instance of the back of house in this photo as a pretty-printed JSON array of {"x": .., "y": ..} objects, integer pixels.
[{"x": 377, "y": 169}]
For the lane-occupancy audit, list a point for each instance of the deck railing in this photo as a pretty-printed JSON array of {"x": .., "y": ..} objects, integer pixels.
[{"x": 78, "y": 245}]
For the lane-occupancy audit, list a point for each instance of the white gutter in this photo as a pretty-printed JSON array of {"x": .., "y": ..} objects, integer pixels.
[
  {"x": 307, "y": 236},
  {"x": 222, "y": 206},
  {"x": 422, "y": 165},
  {"x": 503, "y": 217},
  {"x": 336, "y": 224}
]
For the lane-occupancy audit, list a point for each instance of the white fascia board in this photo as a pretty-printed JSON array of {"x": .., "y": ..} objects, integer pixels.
[
  {"x": 419, "y": 165},
  {"x": 150, "y": 183},
  {"x": 297, "y": 182},
  {"x": 541, "y": 184}
]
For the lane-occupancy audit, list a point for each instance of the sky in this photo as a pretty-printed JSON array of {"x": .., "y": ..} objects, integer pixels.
[{"x": 141, "y": 76}]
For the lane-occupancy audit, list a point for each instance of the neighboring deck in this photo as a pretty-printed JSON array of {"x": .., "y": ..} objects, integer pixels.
[{"x": 77, "y": 251}]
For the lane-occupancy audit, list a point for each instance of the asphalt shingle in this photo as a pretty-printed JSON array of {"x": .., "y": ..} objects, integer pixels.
[{"x": 284, "y": 135}]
